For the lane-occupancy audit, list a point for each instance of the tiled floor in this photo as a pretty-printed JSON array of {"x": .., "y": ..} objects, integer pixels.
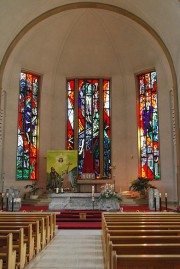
[{"x": 71, "y": 249}]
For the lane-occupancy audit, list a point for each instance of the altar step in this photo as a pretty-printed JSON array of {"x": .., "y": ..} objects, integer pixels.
[
  {"x": 42, "y": 200},
  {"x": 133, "y": 201},
  {"x": 79, "y": 220}
]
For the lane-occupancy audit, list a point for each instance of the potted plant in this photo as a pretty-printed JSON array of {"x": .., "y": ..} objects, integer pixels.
[
  {"x": 141, "y": 185},
  {"x": 34, "y": 189}
]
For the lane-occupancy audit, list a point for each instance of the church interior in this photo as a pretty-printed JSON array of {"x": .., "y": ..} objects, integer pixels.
[
  {"x": 58, "y": 40},
  {"x": 112, "y": 46}
]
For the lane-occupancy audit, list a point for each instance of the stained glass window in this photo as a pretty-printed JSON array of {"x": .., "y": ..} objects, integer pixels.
[
  {"x": 89, "y": 120},
  {"x": 149, "y": 165},
  {"x": 27, "y": 127}
]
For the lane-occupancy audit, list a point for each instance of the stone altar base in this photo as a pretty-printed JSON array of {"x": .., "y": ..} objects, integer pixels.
[{"x": 81, "y": 201}]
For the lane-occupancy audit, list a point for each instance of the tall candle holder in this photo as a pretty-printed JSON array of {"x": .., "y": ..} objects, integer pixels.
[
  {"x": 160, "y": 205},
  {"x": 155, "y": 202},
  {"x": 93, "y": 202},
  {"x": 12, "y": 202},
  {"x": 93, "y": 197},
  {"x": 166, "y": 201},
  {"x": 2, "y": 200},
  {"x": 7, "y": 200}
]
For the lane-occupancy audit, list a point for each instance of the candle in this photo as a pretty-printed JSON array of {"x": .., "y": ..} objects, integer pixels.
[
  {"x": 57, "y": 190},
  {"x": 92, "y": 190},
  {"x": 160, "y": 207}
]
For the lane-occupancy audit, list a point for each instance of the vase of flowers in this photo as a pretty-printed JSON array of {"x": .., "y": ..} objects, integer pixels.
[{"x": 109, "y": 199}]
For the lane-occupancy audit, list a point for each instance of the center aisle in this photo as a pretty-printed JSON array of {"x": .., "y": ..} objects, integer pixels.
[{"x": 71, "y": 249}]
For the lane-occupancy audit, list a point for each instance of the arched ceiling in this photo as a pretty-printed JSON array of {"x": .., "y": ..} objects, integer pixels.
[
  {"x": 162, "y": 15},
  {"x": 105, "y": 42}
]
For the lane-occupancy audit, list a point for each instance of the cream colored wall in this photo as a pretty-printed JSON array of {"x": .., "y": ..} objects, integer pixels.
[{"x": 96, "y": 43}]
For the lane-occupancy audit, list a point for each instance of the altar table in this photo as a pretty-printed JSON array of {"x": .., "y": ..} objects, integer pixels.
[{"x": 81, "y": 201}]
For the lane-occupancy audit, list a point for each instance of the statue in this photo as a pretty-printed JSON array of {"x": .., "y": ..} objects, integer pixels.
[{"x": 55, "y": 182}]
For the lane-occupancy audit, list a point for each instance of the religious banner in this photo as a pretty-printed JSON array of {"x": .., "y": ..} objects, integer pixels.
[{"x": 62, "y": 170}]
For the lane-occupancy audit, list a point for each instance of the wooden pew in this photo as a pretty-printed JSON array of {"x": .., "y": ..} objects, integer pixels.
[
  {"x": 117, "y": 223},
  {"x": 42, "y": 241},
  {"x": 1, "y": 264},
  {"x": 29, "y": 239},
  {"x": 18, "y": 245},
  {"x": 136, "y": 227},
  {"x": 43, "y": 227},
  {"x": 50, "y": 223},
  {"x": 143, "y": 239},
  {"x": 7, "y": 254},
  {"x": 146, "y": 214},
  {"x": 113, "y": 217},
  {"x": 143, "y": 249},
  {"x": 146, "y": 223},
  {"x": 145, "y": 261},
  {"x": 35, "y": 229}
]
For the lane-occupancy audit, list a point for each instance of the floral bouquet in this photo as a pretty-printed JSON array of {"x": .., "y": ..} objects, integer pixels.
[{"x": 108, "y": 192}]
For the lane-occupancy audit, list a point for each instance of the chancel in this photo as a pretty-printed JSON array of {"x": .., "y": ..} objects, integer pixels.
[{"x": 89, "y": 103}]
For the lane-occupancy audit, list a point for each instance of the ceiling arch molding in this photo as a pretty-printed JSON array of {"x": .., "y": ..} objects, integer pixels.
[{"x": 120, "y": 11}]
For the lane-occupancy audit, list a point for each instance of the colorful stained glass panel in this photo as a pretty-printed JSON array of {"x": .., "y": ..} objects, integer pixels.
[
  {"x": 148, "y": 126},
  {"x": 27, "y": 127}
]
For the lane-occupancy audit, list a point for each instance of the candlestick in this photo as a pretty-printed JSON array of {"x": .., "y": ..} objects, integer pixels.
[
  {"x": 93, "y": 197},
  {"x": 160, "y": 206},
  {"x": 7, "y": 201},
  {"x": 2, "y": 200},
  {"x": 155, "y": 202},
  {"x": 166, "y": 201},
  {"x": 12, "y": 202}
]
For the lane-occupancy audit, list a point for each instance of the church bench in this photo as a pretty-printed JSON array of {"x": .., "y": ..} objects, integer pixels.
[
  {"x": 144, "y": 214},
  {"x": 147, "y": 218},
  {"x": 113, "y": 218},
  {"x": 142, "y": 249},
  {"x": 143, "y": 239},
  {"x": 50, "y": 222},
  {"x": 1, "y": 264},
  {"x": 18, "y": 244},
  {"x": 106, "y": 229},
  {"x": 145, "y": 261},
  {"x": 7, "y": 254},
  {"x": 28, "y": 237},
  {"x": 116, "y": 232},
  {"x": 121, "y": 217},
  {"x": 35, "y": 230},
  {"x": 146, "y": 223},
  {"x": 43, "y": 225}
]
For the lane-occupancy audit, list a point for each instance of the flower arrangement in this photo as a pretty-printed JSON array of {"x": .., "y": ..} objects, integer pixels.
[{"x": 108, "y": 192}]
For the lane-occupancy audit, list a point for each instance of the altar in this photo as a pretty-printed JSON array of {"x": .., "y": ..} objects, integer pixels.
[{"x": 81, "y": 201}]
